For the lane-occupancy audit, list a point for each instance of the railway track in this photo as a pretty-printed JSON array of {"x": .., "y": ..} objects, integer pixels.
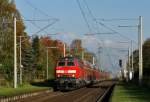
[{"x": 95, "y": 93}]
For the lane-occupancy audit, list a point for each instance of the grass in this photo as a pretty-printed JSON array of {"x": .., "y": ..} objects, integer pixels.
[
  {"x": 130, "y": 93},
  {"x": 5, "y": 91}
]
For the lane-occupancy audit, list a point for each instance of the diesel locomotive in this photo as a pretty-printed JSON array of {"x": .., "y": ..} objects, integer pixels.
[{"x": 72, "y": 73}]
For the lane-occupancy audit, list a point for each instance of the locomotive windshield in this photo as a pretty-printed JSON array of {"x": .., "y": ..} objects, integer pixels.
[
  {"x": 70, "y": 64},
  {"x": 61, "y": 64}
]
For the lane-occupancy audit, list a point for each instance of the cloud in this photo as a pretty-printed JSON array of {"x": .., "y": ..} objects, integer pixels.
[{"x": 67, "y": 37}]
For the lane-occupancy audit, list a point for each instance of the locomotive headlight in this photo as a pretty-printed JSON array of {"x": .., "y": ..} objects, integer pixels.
[
  {"x": 59, "y": 71},
  {"x": 71, "y": 71},
  {"x": 58, "y": 75},
  {"x": 73, "y": 75}
]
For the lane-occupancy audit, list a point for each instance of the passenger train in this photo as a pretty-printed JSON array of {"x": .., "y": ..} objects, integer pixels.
[{"x": 72, "y": 73}]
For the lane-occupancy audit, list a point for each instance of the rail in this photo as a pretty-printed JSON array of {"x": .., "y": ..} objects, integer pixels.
[{"x": 106, "y": 96}]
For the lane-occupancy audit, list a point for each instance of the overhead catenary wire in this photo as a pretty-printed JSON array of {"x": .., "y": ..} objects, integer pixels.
[
  {"x": 40, "y": 29},
  {"x": 32, "y": 21},
  {"x": 36, "y": 9},
  {"x": 110, "y": 59},
  {"x": 84, "y": 16},
  {"x": 41, "y": 12},
  {"x": 29, "y": 3},
  {"x": 102, "y": 24},
  {"x": 45, "y": 27},
  {"x": 103, "y": 44},
  {"x": 94, "y": 18},
  {"x": 118, "y": 19},
  {"x": 34, "y": 24},
  {"x": 108, "y": 33},
  {"x": 40, "y": 20},
  {"x": 91, "y": 14}
]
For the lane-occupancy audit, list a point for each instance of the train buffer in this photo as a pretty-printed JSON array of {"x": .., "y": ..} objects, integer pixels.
[{"x": 124, "y": 92}]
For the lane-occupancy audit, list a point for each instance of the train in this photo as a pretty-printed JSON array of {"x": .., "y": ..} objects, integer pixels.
[{"x": 72, "y": 73}]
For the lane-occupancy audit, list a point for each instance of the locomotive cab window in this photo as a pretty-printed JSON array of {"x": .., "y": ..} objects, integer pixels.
[
  {"x": 70, "y": 64},
  {"x": 61, "y": 64}
]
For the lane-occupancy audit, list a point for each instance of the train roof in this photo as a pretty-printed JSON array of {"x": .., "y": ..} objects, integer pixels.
[
  {"x": 71, "y": 58},
  {"x": 68, "y": 58}
]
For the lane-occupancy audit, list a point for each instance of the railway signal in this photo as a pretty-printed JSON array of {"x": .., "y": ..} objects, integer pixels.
[{"x": 120, "y": 63}]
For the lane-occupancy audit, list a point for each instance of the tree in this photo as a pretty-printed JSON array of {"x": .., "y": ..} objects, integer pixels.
[
  {"x": 146, "y": 54},
  {"x": 76, "y": 48},
  {"x": 53, "y": 54},
  {"x": 8, "y": 11},
  {"x": 36, "y": 50},
  {"x": 146, "y": 62}
]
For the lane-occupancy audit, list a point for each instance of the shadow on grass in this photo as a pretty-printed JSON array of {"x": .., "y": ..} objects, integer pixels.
[{"x": 46, "y": 83}]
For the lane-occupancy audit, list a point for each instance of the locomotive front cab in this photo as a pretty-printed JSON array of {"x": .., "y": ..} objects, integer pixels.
[
  {"x": 66, "y": 73},
  {"x": 66, "y": 68}
]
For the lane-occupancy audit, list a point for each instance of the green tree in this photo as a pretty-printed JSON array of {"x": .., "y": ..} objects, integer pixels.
[
  {"x": 146, "y": 62},
  {"x": 36, "y": 50},
  {"x": 8, "y": 11}
]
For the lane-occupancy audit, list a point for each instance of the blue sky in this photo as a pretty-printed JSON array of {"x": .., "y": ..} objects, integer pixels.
[
  {"x": 72, "y": 25},
  {"x": 70, "y": 16}
]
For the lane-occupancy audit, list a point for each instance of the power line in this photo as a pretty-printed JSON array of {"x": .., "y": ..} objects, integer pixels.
[
  {"x": 110, "y": 60},
  {"x": 118, "y": 19},
  {"x": 84, "y": 17},
  {"x": 90, "y": 12},
  {"x": 34, "y": 24},
  {"x": 46, "y": 27},
  {"x": 40, "y": 20},
  {"x": 102, "y": 24},
  {"x": 95, "y": 18},
  {"x": 36, "y": 9},
  {"x": 109, "y": 57},
  {"x": 41, "y": 29},
  {"x": 107, "y": 33},
  {"x": 107, "y": 28},
  {"x": 88, "y": 8}
]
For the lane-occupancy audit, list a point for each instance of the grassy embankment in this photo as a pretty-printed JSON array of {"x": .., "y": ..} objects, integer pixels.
[
  {"x": 130, "y": 93},
  {"x": 8, "y": 91}
]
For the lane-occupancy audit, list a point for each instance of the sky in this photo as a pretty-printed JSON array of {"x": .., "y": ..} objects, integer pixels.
[{"x": 72, "y": 25}]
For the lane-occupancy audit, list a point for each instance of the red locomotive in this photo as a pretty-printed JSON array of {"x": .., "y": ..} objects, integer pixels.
[{"x": 72, "y": 73}]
